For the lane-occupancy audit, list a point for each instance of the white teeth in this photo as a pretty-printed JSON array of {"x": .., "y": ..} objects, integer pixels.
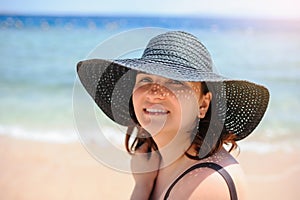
[{"x": 151, "y": 110}]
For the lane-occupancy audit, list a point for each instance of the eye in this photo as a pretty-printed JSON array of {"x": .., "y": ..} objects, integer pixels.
[
  {"x": 175, "y": 82},
  {"x": 142, "y": 78},
  {"x": 145, "y": 80}
]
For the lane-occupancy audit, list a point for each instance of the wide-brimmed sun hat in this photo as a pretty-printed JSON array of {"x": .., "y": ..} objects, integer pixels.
[{"x": 180, "y": 56}]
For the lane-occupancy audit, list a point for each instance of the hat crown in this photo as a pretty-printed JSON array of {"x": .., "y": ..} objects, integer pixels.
[{"x": 179, "y": 48}]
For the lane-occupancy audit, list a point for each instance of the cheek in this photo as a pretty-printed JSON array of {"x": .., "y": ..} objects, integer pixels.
[
  {"x": 136, "y": 99},
  {"x": 189, "y": 105}
]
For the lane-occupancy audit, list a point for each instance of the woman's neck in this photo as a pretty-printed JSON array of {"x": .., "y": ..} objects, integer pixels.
[{"x": 175, "y": 151}]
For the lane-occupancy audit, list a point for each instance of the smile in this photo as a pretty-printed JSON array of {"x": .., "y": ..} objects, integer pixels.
[{"x": 153, "y": 111}]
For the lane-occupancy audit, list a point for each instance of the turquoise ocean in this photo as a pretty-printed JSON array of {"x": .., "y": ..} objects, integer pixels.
[{"x": 39, "y": 56}]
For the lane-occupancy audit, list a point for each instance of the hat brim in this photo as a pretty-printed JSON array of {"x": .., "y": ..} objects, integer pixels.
[{"x": 241, "y": 104}]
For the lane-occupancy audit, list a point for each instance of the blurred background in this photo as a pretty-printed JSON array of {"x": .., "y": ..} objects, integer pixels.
[{"x": 41, "y": 42}]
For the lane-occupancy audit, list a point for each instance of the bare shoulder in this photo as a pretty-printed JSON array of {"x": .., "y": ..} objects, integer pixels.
[{"x": 207, "y": 183}]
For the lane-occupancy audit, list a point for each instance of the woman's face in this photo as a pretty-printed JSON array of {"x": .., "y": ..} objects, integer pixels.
[{"x": 165, "y": 107}]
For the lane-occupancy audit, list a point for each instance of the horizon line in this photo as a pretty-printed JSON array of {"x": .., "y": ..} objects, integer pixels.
[{"x": 146, "y": 15}]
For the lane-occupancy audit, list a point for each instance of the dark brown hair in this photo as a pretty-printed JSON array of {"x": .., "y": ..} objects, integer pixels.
[{"x": 205, "y": 140}]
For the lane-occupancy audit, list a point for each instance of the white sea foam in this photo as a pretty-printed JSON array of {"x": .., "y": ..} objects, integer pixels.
[{"x": 53, "y": 136}]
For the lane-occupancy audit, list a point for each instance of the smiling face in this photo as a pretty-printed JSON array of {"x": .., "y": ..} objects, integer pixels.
[{"x": 166, "y": 107}]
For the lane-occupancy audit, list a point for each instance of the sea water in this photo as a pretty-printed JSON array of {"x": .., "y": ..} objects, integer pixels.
[{"x": 39, "y": 56}]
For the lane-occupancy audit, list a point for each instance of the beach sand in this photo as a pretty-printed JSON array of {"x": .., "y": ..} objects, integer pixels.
[
  {"x": 272, "y": 176},
  {"x": 31, "y": 170}
]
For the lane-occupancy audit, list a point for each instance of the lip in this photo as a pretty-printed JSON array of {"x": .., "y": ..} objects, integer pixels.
[{"x": 156, "y": 110}]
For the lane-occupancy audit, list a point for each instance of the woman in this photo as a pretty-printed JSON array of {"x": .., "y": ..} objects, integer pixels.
[{"x": 179, "y": 115}]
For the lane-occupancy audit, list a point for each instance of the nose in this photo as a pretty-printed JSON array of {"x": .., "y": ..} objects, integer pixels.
[{"x": 157, "y": 92}]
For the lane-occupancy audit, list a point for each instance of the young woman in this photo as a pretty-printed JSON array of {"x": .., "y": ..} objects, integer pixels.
[{"x": 179, "y": 115}]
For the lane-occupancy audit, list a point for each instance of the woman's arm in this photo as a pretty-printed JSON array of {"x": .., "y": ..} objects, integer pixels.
[
  {"x": 144, "y": 168},
  {"x": 144, "y": 185}
]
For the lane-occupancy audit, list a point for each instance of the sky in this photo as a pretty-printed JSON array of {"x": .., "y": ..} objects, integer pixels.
[{"x": 229, "y": 8}]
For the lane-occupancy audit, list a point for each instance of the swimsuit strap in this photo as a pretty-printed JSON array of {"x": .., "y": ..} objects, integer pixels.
[{"x": 214, "y": 166}]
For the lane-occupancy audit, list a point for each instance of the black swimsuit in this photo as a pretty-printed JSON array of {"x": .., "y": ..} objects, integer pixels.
[{"x": 214, "y": 166}]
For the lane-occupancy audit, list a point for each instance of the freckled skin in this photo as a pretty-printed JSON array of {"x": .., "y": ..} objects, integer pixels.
[{"x": 177, "y": 101}]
